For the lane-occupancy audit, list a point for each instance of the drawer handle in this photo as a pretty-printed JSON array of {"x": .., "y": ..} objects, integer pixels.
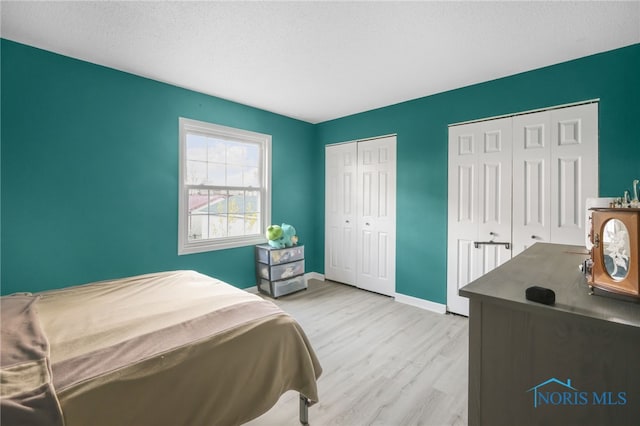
[{"x": 477, "y": 244}]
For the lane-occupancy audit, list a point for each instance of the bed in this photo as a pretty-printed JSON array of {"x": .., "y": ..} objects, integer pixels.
[{"x": 172, "y": 348}]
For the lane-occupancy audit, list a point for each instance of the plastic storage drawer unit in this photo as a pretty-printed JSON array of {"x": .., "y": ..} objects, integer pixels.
[{"x": 280, "y": 271}]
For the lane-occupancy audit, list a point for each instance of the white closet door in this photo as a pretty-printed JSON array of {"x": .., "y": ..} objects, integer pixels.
[
  {"x": 574, "y": 170},
  {"x": 554, "y": 164},
  {"x": 462, "y": 229},
  {"x": 494, "y": 183},
  {"x": 531, "y": 180},
  {"x": 376, "y": 224},
  {"x": 479, "y": 217},
  {"x": 340, "y": 212},
  {"x": 555, "y": 159}
]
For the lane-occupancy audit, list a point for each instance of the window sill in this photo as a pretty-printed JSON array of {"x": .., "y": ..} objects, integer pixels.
[{"x": 204, "y": 246}]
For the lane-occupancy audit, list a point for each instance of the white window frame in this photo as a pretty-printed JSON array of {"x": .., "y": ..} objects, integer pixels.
[{"x": 188, "y": 126}]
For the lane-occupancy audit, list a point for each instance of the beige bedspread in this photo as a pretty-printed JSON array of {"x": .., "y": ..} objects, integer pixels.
[
  {"x": 26, "y": 392},
  {"x": 175, "y": 348}
]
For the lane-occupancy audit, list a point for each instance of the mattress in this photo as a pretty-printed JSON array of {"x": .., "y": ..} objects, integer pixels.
[{"x": 172, "y": 348}]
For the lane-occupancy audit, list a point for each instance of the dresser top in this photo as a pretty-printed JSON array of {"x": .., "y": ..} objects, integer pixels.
[{"x": 554, "y": 266}]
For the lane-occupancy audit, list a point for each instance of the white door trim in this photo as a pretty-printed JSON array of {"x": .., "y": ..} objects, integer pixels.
[{"x": 531, "y": 111}]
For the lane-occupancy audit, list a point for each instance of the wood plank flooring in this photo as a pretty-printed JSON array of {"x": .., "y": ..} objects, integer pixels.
[{"x": 384, "y": 362}]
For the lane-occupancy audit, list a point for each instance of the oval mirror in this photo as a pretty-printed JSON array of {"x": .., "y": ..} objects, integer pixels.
[{"x": 616, "y": 249}]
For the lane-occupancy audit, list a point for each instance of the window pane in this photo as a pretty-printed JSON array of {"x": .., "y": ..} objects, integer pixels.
[
  {"x": 198, "y": 205},
  {"x": 216, "y": 174},
  {"x": 243, "y": 154},
  {"x": 196, "y": 147},
  {"x": 217, "y": 226},
  {"x": 234, "y": 175},
  {"x": 218, "y": 202},
  {"x": 251, "y": 177},
  {"x": 252, "y": 202},
  {"x": 236, "y": 213},
  {"x": 236, "y": 225},
  {"x": 236, "y": 202},
  {"x": 216, "y": 151},
  {"x": 252, "y": 155},
  {"x": 198, "y": 201},
  {"x": 252, "y": 224},
  {"x": 198, "y": 227},
  {"x": 196, "y": 172}
]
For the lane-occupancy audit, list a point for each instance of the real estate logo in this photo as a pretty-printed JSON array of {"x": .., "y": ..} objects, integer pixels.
[{"x": 563, "y": 394}]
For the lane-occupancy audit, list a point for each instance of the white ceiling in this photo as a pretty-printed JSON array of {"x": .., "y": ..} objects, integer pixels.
[{"x": 317, "y": 61}]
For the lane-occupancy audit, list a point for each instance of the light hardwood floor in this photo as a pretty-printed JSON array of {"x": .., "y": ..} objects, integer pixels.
[{"x": 384, "y": 362}]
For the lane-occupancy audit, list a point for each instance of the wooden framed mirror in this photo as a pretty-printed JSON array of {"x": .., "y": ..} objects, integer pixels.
[{"x": 615, "y": 253}]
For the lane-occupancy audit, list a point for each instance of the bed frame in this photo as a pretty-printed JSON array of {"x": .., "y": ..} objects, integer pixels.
[{"x": 304, "y": 410}]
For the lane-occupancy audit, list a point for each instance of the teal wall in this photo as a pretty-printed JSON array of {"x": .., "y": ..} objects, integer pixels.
[
  {"x": 421, "y": 126},
  {"x": 89, "y": 165},
  {"x": 90, "y": 173}
]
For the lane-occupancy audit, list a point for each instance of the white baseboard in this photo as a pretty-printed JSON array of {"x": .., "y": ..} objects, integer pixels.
[
  {"x": 428, "y": 305},
  {"x": 314, "y": 276}
]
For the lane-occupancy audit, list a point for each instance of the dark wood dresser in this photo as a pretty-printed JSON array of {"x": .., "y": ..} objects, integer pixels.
[{"x": 572, "y": 363}]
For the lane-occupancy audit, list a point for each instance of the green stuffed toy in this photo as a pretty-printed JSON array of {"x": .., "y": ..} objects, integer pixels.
[
  {"x": 274, "y": 235},
  {"x": 281, "y": 236}
]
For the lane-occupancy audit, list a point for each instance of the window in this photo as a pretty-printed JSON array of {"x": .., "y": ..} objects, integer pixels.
[{"x": 225, "y": 180}]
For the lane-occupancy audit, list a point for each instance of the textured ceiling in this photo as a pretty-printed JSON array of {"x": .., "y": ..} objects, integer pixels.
[{"x": 317, "y": 61}]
